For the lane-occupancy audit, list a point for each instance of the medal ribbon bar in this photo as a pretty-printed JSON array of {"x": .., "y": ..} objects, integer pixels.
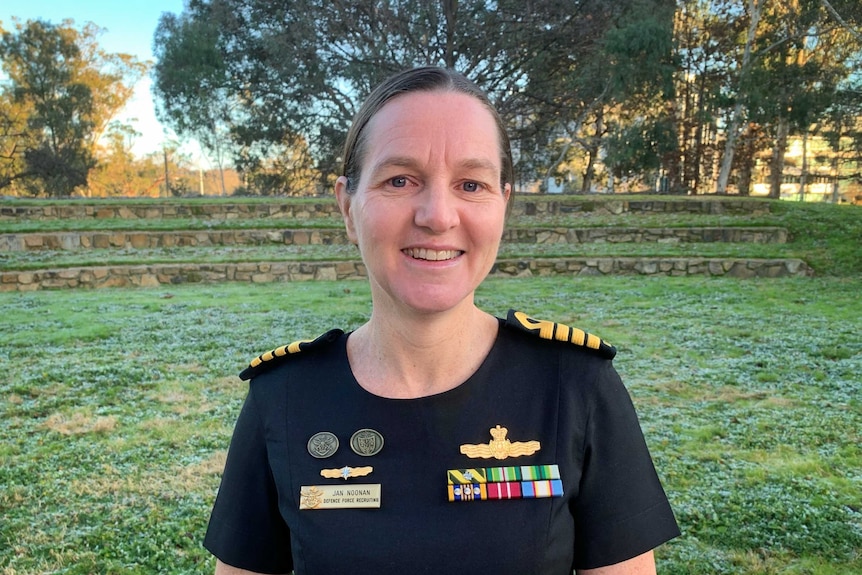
[
  {"x": 502, "y": 474},
  {"x": 509, "y": 490},
  {"x": 522, "y": 482}
]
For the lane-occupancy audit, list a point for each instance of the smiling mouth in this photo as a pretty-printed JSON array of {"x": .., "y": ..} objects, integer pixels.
[{"x": 432, "y": 255}]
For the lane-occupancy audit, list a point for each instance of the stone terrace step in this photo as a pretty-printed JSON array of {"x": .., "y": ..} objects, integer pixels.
[
  {"x": 182, "y": 238},
  {"x": 169, "y": 210},
  {"x": 172, "y": 274},
  {"x": 527, "y": 205}
]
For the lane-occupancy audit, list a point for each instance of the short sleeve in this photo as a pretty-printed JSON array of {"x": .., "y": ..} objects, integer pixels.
[
  {"x": 246, "y": 529},
  {"x": 621, "y": 510}
]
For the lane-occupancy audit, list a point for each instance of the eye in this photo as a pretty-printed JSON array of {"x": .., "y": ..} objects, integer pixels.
[
  {"x": 398, "y": 182},
  {"x": 470, "y": 186}
]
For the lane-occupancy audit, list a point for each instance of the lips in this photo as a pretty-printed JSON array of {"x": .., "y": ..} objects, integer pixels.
[{"x": 431, "y": 255}]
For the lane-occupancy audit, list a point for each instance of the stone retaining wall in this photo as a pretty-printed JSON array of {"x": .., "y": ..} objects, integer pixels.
[
  {"x": 326, "y": 208},
  {"x": 207, "y": 211},
  {"x": 164, "y": 239},
  {"x": 182, "y": 238},
  {"x": 166, "y": 275},
  {"x": 756, "y": 235}
]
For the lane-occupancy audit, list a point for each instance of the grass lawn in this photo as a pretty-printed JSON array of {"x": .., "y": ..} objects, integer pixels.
[
  {"x": 51, "y": 259},
  {"x": 586, "y": 220},
  {"x": 116, "y": 408}
]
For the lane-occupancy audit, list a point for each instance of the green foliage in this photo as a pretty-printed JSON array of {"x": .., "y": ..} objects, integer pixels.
[
  {"x": 296, "y": 71},
  {"x": 640, "y": 50},
  {"x": 39, "y": 59},
  {"x": 190, "y": 81},
  {"x": 780, "y": 89},
  {"x": 59, "y": 97},
  {"x": 639, "y": 147},
  {"x": 120, "y": 173}
]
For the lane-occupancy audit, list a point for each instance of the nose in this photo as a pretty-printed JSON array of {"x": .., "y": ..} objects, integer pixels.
[{"x": 437, "y": 209}]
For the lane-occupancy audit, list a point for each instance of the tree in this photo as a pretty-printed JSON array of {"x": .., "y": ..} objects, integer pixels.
[
  {"x": 14, "y": 137},
  {"x": 777, "y": 78},
  {"x": 801, "y": 57},
  {"x": 640, "y": 66},
  {"x": 36, "y": 61},
  {"x": 843, "y": 132},
  {"x": 754, "y": 10},
  {"x": 296, "y": 71},
  {"x": 68, "y": 89},
  {"x": 118, "y": 172},
  {"x": 706, "y": 36},
  {"x": 756, "y": 73},
  {"x": 111, "y": 78},
  {"x": 191, "y": 83},
  {"x": 626, "y": 78}
]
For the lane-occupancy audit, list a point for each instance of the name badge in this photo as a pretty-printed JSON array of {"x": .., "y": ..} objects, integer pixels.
[{"x": 358, "y": 496}]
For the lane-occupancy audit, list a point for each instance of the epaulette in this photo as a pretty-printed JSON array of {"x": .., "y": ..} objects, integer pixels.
[
  {"x": 278, "y": 355},
  {"x": 559, "y": 332}
]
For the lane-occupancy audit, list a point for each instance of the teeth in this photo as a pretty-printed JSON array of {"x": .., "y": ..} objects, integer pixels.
[{"x": 431, "y": 255}]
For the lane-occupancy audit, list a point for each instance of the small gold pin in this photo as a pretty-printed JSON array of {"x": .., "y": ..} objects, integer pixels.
[
  {"x": 310, "y": 497},
  {"x": 499, "y": 447},
  {"x": 346, "y": 472}
]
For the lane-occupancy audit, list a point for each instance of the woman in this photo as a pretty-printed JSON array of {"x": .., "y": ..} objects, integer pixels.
[{"x": 436, "y": 437}]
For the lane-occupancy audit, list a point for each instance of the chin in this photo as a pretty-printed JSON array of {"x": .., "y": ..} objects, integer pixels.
[{"x": 435, "y": 301}]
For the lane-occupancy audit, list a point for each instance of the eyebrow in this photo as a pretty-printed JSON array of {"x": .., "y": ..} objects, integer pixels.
[
  {"x": 394, "y": 161},
  {"x": 408, "y": 162}
]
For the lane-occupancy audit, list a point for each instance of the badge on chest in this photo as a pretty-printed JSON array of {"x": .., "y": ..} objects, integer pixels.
[
  {"x": 468, "y": 484},
  {"x": 324, "y": 444}
]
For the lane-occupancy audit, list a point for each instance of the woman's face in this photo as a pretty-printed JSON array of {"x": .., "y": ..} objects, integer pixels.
[{"x": 428, "y": 211}]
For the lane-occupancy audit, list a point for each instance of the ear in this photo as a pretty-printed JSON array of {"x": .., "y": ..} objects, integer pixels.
[
  {"x": 345, "y": 199},
  {"x": 507, "y": 199}
]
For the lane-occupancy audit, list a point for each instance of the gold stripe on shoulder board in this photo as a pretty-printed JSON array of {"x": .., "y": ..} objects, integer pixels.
[
  {"x": 279, "y": 352},
  {"x": 560, "y": 332},
  {"x": 271, "y": 358}
]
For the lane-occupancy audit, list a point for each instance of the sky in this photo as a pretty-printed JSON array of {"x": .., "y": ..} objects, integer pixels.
[{"x": 129, "y": 26}]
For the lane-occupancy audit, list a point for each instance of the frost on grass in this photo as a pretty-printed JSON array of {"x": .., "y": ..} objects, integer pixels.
[{"x": 113, "y": 438}]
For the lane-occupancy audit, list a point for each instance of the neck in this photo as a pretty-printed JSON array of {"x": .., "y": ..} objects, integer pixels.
[{"x": 420, "y": 355}]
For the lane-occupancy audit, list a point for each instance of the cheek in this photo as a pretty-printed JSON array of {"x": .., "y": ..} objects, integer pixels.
[
  {"x": 372, "y": 224},
  {"x": 491, "y": 224}
]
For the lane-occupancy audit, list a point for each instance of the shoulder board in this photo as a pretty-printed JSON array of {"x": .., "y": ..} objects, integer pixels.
[
  {"x": 559, "y": 332},
  {"x": 278, "y": 355}
]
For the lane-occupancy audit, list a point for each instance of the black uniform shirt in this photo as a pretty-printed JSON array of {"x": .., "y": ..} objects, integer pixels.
[{"x": 566, "y": 397}]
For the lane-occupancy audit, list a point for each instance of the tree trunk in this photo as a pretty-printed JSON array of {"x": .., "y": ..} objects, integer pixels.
[
  {"x": 744, "y": 180},
  {"x": 776, "y": 174},
  {"x": 835, "y": 188},
  {"x": 803, "y": 178},
  {"x": 698, "y": 135},
  {"x": 670, "y": 162},
  {"x": 588, "y": 173},
  {"x": 593, "y": 152},
  {"x": 729, "y": 149},
  {"x": 754, "y": 9},
  {"x": 450, "y": 8},
  {"x": 745, "y": 161}
]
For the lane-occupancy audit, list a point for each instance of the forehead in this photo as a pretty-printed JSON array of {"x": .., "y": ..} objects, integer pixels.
[{"x": 436, "y": 124}]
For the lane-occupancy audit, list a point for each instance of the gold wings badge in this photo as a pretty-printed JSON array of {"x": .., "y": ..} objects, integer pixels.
[{"x": 499, "y": 447}]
